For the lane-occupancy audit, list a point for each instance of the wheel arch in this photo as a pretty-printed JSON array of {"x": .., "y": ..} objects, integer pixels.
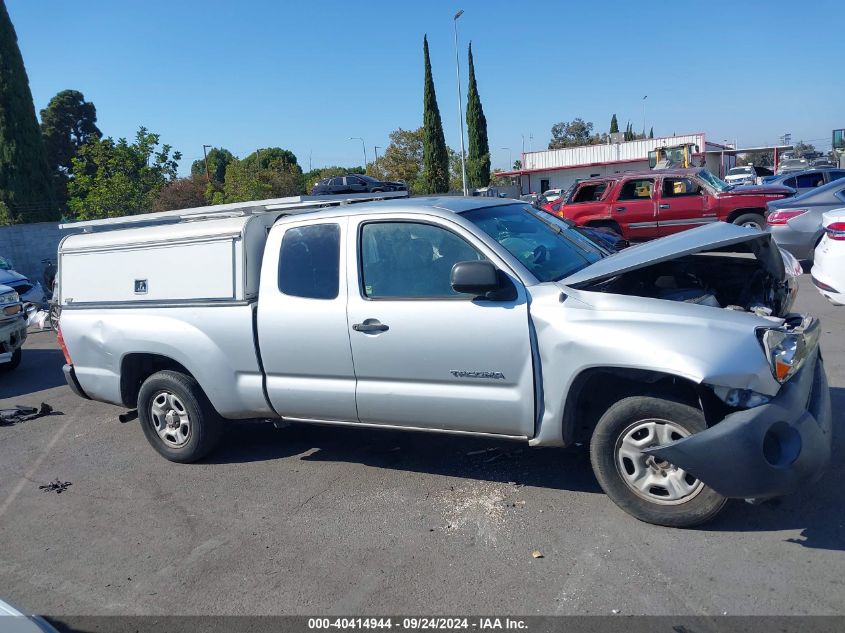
[
  {"x": 596, "y": 389},
  {"x": 136, "y": 367},
  {"x": 733, "y": 215}
]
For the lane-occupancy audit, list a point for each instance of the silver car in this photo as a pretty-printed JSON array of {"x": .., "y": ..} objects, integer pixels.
[{"x": 796, "y": 223}]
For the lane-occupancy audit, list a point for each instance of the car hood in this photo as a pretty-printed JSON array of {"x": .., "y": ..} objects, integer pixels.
[
  {"x": 756, "y": 190},
  {"x": 705, "y": 238},
  {"x": 10, "y": 276}
]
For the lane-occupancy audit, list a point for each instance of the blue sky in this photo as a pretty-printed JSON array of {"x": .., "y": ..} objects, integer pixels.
[{"x": 308, "y": 75}]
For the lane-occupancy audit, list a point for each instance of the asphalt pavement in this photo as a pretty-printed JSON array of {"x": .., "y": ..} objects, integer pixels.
[{"x": 317, "y": 520}]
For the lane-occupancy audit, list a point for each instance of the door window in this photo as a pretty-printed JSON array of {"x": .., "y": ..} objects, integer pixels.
[
  {"x": 407, "y": 260},
  {"x": 679, "y": 187},
  {"x": 589, "y": 192},
  {"x": 336, "y": 182},
  {"x": 809, "y": 181},
  {"x": 836, "y": 175},
  {"x": 309, "y": 262},
  {"x": 637, "y": 189},
  {"x": 353, "y": 180}
]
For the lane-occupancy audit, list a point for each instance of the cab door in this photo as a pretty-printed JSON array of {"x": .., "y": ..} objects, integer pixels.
[
  {"x": 301, "y": 322},
  {"x": 424, "y": 355},
  {"x": 683, "y": 204},
  {"x": 636, "y": 206}
]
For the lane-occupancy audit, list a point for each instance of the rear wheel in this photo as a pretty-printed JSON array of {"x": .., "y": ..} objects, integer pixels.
[
  {"x": 645, "y": 486},
  {"x": 177, "y": 418},
  {"x": 14, "y": 362},
  {"x": 751, "y": 220}
]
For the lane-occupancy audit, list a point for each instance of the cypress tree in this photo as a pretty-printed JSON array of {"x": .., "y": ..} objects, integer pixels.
[
  {"x": 614, "y": 124},
  {"x": 435, "y": 156},
  {"x": 478, "y": 161},
  {"x": 26, "y": 184},
  {"x": 651, "y": 133}
]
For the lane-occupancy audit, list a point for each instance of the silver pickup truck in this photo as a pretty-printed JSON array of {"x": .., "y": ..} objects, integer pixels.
[{"x": 678, "y": 361}]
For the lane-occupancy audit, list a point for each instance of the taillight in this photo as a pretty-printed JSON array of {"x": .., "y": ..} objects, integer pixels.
[
  {"x": 63, "y": 346},
  {"x": 836, "y": 231},
  {"x": 782, "y": 217}
]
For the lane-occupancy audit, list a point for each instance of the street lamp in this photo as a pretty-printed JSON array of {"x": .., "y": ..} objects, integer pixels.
[
  {"x": 510, "y": 156},
  {"x": 363, "y": 147},
  {"x": 644, "y": 98},
  {"x": 460, "y": 107},
  {"x": 205, "y": 156}
]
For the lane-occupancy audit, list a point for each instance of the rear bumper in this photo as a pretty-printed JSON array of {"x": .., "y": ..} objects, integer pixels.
[
  {"x": 800, "y": 243},
  {"x": 73, "y": 383},
  {"x": 767, "y": 451}
]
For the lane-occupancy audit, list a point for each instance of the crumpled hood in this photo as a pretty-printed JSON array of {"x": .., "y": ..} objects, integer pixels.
[
  {"x": 757, "y": 190},
  {"x": 705, "y": 238},
  {"x": 10, "y": 276}
]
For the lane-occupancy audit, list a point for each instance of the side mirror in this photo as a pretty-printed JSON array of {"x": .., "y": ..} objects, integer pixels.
[{"x": 482, "y": 279}]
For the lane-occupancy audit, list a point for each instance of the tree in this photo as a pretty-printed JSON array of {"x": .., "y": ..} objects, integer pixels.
[
  {"x": 574, "y": 134},
  {"x": 614, "y": 125},
  {"x": 26, "y": 187},
  {"x": 801, "y": 148},
  {"x": 113, "y": 179},
  {"x": 266, "y": 173},
  {"x": 403, "y": 159},
  {"x": 517, "y": 164},
  {"x": 218, "y": 159},
  {"x": 182, "y": 193},
  {"x": 651, "y": 133},
  {"x": 435, "y": 156},
  {"x": 478, "y": 156}
]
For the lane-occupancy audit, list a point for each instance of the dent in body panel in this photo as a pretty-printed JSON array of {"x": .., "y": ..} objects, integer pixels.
[
  {"x": 214, "y": 344},
  {"x": 579, "y": 330}
]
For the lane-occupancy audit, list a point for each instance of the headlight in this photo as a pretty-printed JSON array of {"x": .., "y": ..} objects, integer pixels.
[
  {"x": 786, "y": 350},
  {"x": 740, "y": 398},
  {"x": 9, "y": 297}
]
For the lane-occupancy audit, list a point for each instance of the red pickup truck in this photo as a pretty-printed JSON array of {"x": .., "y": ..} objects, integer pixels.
[{"x": 648, "y": 204}]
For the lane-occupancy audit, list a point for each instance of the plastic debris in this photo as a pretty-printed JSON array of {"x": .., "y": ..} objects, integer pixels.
[
  {"x": 22, "y": 413},
  {"x": 537, "y": 554},
  {"x": 56, "y": 486}
]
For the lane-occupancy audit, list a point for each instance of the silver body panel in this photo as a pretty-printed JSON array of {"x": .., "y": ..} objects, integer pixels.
[{"x": 459, "y": 365}]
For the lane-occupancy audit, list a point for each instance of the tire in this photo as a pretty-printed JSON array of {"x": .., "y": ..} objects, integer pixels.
[
  {"x": 177, "y": 418},
  {"x": 12, "y": 364},
  {"x": 752, "y": 220},
  {"x": 618, "y": 431},
  {"x": 55, "y": 313}
]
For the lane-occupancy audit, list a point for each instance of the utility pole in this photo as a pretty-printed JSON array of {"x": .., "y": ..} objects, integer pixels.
[
  {"x": 376, "y": 148},
  {"x": 460, "y": 105},
  {"x": 205, "y": 155},
  {"x": 644, "y": 98},
  {"x": 363, "y": 147},
  {"x": 510, "y": 157}
]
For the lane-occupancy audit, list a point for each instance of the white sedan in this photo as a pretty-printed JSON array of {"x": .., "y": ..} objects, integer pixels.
[{"x": 828, "y": 271}]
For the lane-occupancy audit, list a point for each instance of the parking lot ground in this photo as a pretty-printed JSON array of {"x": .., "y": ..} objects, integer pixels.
[{"x": 316, "y": 520}]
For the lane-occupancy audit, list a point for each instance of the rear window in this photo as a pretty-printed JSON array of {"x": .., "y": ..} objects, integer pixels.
[
  {"x": 590, "y": 193},
  {"x": 309, "y": 262}
]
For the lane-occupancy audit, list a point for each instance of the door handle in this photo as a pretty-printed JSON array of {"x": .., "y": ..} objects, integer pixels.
[
  {"x": 370, "y": 325},
  {"x": 664, "y": 206},
  {"x": 620, "y": 208}
]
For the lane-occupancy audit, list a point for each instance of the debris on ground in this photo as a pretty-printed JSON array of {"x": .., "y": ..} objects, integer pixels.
[
  {"x": 57, "y": 486},
  {"x": 537, "y": 554},
  {"x": 22, "y": 413},
  {"x": 482, "y": 451}
]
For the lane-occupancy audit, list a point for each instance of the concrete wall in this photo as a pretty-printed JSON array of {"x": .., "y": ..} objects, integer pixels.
[{"x": 27, "y": 244}]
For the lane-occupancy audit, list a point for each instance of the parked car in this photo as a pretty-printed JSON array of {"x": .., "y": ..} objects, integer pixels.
[
  {"x": 12, "y": 328},
  {"x": 796, "y": 223},
  {"x": 824, "y": 162},
  {"x": 13, "y": 620},
  {"x": 803, "y": 181},
  {"x": 680, "y": 363},
  {"x": 649, "y": 204},
  {"x": 747, "y": 175},
  {"x": 828, "y": 273},
  {"x": 355, "y": 183},
  {"x": 29, "y": 292},
  {"x": 552, "y": 194},
  {"x": 792, "y": 164}
]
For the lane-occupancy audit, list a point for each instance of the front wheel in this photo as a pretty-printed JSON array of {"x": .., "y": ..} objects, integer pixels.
[
  {"x": 177, "y": 418},
  {"x": 646, "y": 487},
  {"x": 751, "y": 220}
]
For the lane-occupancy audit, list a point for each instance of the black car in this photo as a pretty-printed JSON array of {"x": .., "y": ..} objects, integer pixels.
[{"x": 355, "y": 183}]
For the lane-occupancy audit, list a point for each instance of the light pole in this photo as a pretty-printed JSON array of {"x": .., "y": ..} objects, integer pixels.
[
  {"x": 510, "y": 156},
  {"x": 460, "y": 107},
  {"x": 376, "y": 148},
  {"x": 363, "y": 147},
  {"x": 205, "y": 156},
  {"x": 644, "y": 98}
]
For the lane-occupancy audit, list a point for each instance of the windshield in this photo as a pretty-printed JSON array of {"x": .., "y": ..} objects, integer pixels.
[
  {"x": 739, "y": 171},
  {"x": 716, "y": 183},
  {"x": 545, "y": 245}
]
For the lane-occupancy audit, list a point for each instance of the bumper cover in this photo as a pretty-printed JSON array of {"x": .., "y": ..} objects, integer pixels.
[
  {"x": 73, "y": 382},
  {"x": 767, "y": 451}
]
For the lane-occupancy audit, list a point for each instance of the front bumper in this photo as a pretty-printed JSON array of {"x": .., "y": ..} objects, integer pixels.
[
  {"x": 12, "y": 336},
  {"x": 767, "y": 451}
]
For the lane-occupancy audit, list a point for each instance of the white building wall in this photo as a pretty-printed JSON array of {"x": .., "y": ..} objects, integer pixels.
[{"x": 563, "y": 178}]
